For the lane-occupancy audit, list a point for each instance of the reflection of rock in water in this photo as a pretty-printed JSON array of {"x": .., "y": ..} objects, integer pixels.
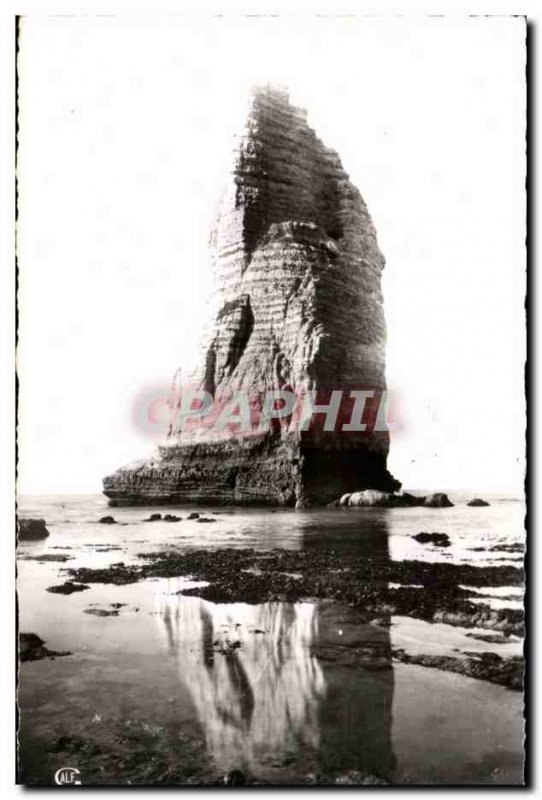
[
  {"x": 355, "y": 720},
  {"x": 287, "y": 689},
  {"x": 355, "y": 657},
  {"x": 253, "y": 679}
]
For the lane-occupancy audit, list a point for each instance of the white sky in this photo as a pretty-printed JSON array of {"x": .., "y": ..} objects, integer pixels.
[{"x": 126, "y": 132}]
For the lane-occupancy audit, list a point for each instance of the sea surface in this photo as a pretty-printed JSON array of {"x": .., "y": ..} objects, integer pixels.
[{"x": 140, "y": 700}]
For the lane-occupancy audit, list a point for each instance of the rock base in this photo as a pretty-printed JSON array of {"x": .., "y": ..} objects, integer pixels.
[{"x": 270, "y": 471}]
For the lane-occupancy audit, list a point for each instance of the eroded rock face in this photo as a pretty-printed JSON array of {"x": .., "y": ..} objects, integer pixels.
[{"x": 299, "y": 308}]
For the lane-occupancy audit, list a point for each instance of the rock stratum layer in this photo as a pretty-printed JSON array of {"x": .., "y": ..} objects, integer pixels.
[{"x": 299, "y": 307}]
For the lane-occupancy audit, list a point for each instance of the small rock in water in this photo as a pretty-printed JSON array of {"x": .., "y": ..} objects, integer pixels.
[
  {"x": 32, "y": 529},
  {"x": 101, "y": 612},
  {"x": 490, "y": 638},
  {"x": 485, "y": 666},
  {"x": 68, "y": 588},
  {"x": 514, "y": 547},
  {"x": 234, "y": 778},
  {"x": 438, "y": 500},
  {"x": 206, "y": 519},
  {"x": 153, "y": 518},
  {"x": 193, "y": 515},
  {"x": 478, "y": 503},
  {"x": 107, "y": 520},
  {"x": 171, "y": 518},
  {"x": 32, "y": 648},
  {"x": 378, "y": 499},
  {"x": 30, "y": 645},
  {"x": 48, "y": 557},
  {"x": 368, "y": 497},
  {"x": 441, "y": 539}
]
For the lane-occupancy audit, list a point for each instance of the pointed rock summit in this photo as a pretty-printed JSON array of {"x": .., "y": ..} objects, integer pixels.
[{"x": 299, "y": 316}]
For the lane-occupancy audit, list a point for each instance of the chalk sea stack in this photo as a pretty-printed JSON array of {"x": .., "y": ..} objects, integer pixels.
[{"x": 299, "y": 308}]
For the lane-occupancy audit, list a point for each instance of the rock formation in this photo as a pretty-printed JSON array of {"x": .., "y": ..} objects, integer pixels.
[
  {"x": 438, "y": 500},
  {"x": 440, "y": 539},
  {"x": 373, "y": 498},
  {"x": 32, "y": 648},
  {"x": 299, "y": 308},
  {"x": 32, "y": 529}
]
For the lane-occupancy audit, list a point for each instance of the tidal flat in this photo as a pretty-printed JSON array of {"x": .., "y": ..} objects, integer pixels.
[{"x": 273, "y": 648}]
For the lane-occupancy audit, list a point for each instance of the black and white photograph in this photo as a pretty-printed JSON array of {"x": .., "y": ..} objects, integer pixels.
[{"x": 271, "y": 405}]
